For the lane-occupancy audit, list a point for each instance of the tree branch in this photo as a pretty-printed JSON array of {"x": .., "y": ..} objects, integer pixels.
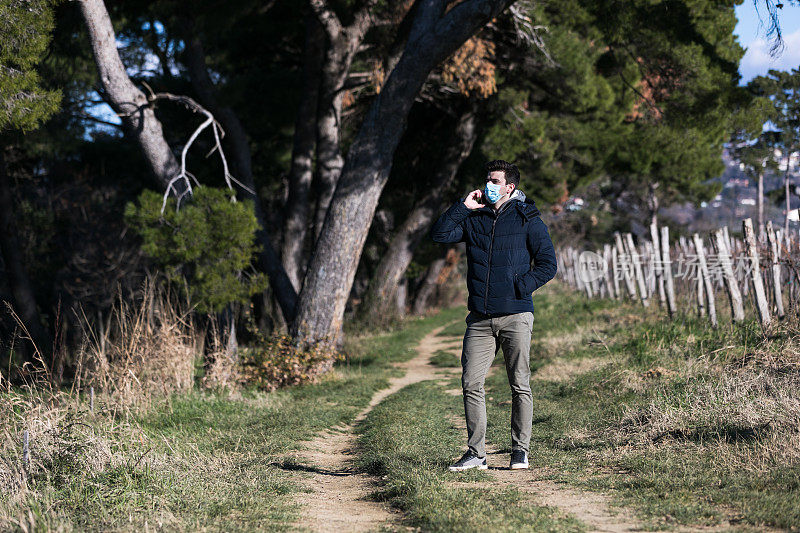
[
  {"x": 216, "y": 128},
  {"x": 327, "y": 18}
]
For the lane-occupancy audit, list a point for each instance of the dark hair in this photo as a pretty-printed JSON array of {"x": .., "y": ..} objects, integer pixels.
[{"x": 510, "y": 170}]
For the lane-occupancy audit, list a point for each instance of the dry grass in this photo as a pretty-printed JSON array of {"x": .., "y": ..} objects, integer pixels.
[
  {"x": 225, "y": 371},
  {"x": 737, "y": 404},
  {"x": 746, "y": 408},
  {"x": 148, "y": 348},
  {"x": 67, "y": 444},
  {"x": 562, "y": 370}
]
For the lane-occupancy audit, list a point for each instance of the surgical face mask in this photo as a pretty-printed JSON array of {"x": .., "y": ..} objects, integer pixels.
[{"x": 492, "y": 191}]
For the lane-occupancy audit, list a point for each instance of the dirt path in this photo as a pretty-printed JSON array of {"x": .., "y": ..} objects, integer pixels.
[{"x": 339, "y": 498}]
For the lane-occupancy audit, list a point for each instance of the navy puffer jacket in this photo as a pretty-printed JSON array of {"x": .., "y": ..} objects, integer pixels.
[{"x": 500, "y": 248}]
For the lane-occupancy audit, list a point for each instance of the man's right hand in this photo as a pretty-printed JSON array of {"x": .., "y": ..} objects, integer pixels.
[{"x": 473, "y": 199}]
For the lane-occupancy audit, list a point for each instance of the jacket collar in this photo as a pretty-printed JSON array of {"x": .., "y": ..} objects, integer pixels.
[{"x": 527, "y": 208}]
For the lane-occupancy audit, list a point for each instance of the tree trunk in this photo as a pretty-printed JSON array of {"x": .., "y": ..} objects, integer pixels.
[
  {"x": 434, "y": 36},
  {"x": 398, "y": 256},
  {"x": 329, "y": 157},
  {"x": 138, "y": 117},
  {"x": 21, "y": 289},
  {"x": 232, "y": 345},
  {"x": 297, "y": 212},
  {"x": 342, "y": 44},
  {"x": 760, "y": 201},
  {"x": 428, "y": 286},
  {"x": 786, "y": 191},
  {"x": 140, "y": 121},
  {"x": 652, "y": 203}
]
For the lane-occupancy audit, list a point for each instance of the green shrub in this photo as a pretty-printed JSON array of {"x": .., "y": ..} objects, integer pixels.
[{"x": 210, "y": 243}]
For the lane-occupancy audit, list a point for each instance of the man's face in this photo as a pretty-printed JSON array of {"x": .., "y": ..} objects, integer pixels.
[{"x": 498, "y": 177}]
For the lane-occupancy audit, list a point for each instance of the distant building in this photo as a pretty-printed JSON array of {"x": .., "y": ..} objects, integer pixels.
[
  {"x": 737, "y": 182},
  {"x": 576, "y": 203},
  {"x": 794, "y": 160}
]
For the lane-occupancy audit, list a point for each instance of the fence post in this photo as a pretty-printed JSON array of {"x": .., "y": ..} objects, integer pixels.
[
  {"x": 776, "y": 268},
  {"x": 609, "y": 271},
  {"x": 587, "y": 283},
  {"x": 658, "y": 267},
  {"x": 790, "y": 272},
  {"x": 719, "y": 242},
  {"x": 625, "y": 264},
  {"x": 637, "y": 269},
  {"x": 745, "y": 286},
  {"x": 576, "y": 268},
  {"x": 600, "y": 281},
  {"x": 650, "y": 271},
  {"x": 26, "y": 449},
  {"x": 706, "y": 279},
  {"x": 755, "y": 273},
  {"x": 699, "y": 286},
  {"x": 615, "y": 270},
  {"x": 666, "y": 269}
]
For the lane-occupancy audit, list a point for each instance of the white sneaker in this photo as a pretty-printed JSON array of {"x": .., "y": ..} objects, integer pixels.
[{"x": 469, "y": 460}]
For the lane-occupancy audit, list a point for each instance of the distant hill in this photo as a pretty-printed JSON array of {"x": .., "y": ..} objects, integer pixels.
[{"x": 736, "y": 201}]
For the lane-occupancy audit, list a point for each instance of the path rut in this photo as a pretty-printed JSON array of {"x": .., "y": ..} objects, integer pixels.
[{"x": 340, "y": 496}]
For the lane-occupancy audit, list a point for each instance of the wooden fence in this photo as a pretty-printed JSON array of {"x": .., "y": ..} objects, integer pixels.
[{"x": 761, "y": 270}]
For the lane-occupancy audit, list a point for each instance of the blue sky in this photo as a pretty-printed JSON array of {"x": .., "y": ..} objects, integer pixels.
[{"x": 752, "y": 36}]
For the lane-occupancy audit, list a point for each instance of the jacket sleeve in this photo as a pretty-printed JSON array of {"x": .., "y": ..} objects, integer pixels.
[
  {"x": 544, "y": 259},
  {"x": 449, "y": 227}
]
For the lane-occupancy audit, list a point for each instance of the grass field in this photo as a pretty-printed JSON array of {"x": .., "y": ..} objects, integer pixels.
[
  {"x": 683, "y": 424},
  {"x": 409, "y": 440},
  {"x": 201, "y": 460}
]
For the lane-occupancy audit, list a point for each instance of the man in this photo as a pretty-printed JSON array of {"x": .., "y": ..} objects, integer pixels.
[{"x": 503, "y": 233}]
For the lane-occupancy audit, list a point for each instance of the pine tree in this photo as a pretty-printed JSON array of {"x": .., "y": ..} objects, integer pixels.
[
  {"x": 25, "y": 32},
  {"x": 782, "y": 88}
]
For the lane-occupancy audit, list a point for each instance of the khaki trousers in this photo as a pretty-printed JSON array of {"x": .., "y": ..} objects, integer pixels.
[{"x": 483, "y": 338}]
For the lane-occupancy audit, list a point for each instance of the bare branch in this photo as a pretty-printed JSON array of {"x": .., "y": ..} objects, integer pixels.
[
  {"x": 218, "y": 132},
  {"x": 773, "y": 25},
  {"x": 86, "y": 116},
  {"x": 526, "y": 31}
]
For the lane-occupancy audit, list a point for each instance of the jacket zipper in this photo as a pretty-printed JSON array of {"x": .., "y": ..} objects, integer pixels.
[
  {"x": 489, "y": 262},
  {"x": 489, "y": 267}
]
